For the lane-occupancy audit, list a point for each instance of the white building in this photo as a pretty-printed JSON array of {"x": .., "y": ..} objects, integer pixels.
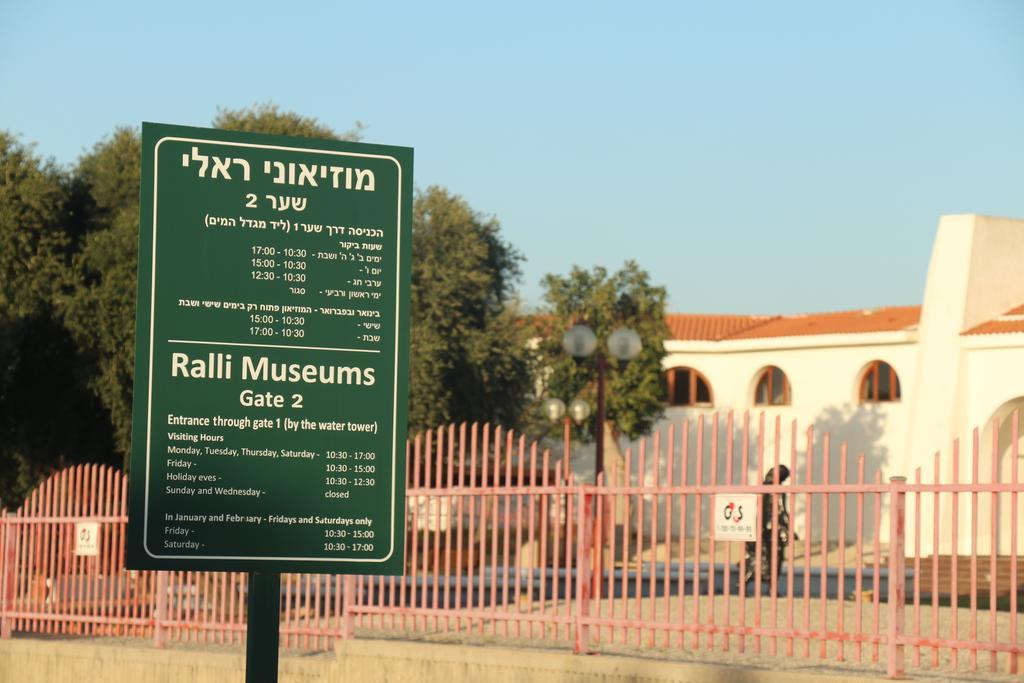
[{"x": 897, "y": 384}]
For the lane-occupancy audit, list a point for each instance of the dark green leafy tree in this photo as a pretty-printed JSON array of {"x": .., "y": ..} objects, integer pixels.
[
  {"x": 99, "y": 304},
  {"x": 47, "y": 417},
  {"x": 68, "y": 260},
  {"x": 269, "y": 118},
  {"x": 469, "y": 357},
  {"x": 635, "y": 394}
]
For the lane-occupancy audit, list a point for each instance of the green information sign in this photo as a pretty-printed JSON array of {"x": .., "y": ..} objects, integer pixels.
[{"x": 271, "y": 354}]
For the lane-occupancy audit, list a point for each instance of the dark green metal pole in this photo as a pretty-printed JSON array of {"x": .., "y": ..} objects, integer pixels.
[{"x": 261, "y": 638}]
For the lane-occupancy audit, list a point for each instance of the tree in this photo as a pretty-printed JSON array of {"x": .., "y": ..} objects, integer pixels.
[
  {"x": 636, "y": 393},
  {"x": 32, "y": 206},
  {"x": 48, "y": 418},
  {"x": 99, "y": 305},
  {"x": 469, "y": 357},
  {"x": 267, "y": 117}
]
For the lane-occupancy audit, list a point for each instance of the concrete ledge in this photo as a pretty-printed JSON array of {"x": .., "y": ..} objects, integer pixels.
[
  {"x": 40, "y": 660},
  {"x": 396, "y": 661},
  {"x": 63, "y": 660}
]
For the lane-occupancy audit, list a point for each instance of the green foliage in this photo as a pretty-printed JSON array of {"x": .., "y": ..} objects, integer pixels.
[
  {"x": 469, "y": 358},
  {"x": 68, "y": 261},
  {"x": 635, "y": 394},
  {"x": 99, "y": 307},
  {"x": 267, "y": 117},
  {"x": 47, "y": 417},
  {"x": 32, "y": 207}
]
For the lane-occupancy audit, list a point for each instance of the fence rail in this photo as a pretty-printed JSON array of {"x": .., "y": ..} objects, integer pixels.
[{"x": 501, "y": 540}]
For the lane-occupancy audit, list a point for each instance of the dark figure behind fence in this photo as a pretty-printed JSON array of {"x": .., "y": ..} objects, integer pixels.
[{"x": 749, "y": 566}]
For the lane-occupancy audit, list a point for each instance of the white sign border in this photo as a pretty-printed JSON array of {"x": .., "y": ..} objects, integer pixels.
[{"x": 149, "y": 397}]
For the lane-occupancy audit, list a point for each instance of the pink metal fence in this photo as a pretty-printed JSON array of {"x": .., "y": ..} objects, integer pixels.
[{"x": 503, "y": 541}]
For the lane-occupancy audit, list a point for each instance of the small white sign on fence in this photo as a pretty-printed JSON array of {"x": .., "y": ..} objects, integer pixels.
[
  {"x": 87, "y": 538},
  {"x": 735, "y": 516}
]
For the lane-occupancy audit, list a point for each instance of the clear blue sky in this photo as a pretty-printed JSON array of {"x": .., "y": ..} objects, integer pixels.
[{"x": 754, "y": 157}]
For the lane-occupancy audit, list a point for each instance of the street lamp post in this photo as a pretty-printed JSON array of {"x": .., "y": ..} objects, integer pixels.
[
  {"x": 578, "y": 411},
  {"x": 623, "y": 345}
]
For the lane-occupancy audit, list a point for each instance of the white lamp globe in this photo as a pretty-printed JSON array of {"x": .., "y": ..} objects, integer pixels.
[
  {"x": 554, "y": 408},
  {"x": 579, "y": 410},
  {"x": 580, "y": 341},
  {"x": 624, "y": 344}
]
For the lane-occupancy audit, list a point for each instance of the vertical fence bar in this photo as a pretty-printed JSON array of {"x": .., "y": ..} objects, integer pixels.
[
  {"x": 638, "y": 577},
  {"x": 568, "y": 481},
  {"x": 519, "y": 550},
  {"x": 51, "y": 543},
  {"x": 773, "y": 561},
  {"x": 742, "y": 573},
  {"x": 790, "y": 605},
  {"x": 953, "y": 592},
  {"x": 826, "y": 455},
  {"x": 758, "y": 543},
  {"x": 1014, "y": 521},
  {"x": 876, "y": 566},
  {"x": 613, "y": 505},
  {"x": 726, "y": 579},
  {"x": 506, "y": 504},
  {"x": 936, "y": 520},
  {"x": 484, "y": 473},
  {"x": 413, "y": 533},
  {"x": 993, "y": 543},
  {"x": 974, "y": 549},
  {"x": 460, "y": 503},
  {"x": 669, "y": 478},
  {"x": 808, "y": 530},
  {"x": 711, "y": 539},
  {"x": 583, "y": 542},
  {"x": 347, "y": 597},
  {"x": 531, "y": 536},
  {"x": 545, "y": 514},
  {"x": 495, "y": 479},
  {"x": 596, "y": 548},
  {"x": 435, "y": 457},
  {"x": 160, "y": 610},
  {"x": 841, "y": 576},
  {"x": 7, "y": 576},
  {"x": 858, "y": 585},
  {"x": 624, "y": 579},
  {"x": 450, "y": 508},
  {"x": 652, "y": 577},
  {"x": 471, "y": 592},
  {"x": 917, "y": 565},
  {"x": 699, "y": 481},
  {"x": 556, "y": 540},
  {"x": 897, "y": 575},
  {"x": 684, "y": 479}
]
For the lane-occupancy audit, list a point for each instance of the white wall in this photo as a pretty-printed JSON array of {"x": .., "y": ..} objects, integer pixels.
[
  {"x": 824, "y": 375},
  {"x": 974, "y": 276}
]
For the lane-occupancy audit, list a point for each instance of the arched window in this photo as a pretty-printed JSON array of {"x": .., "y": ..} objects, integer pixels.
[
  {"x": 772, "y": 388},
  {"x": 687, "y": 387},
  {"x": 879, "y": 383}
]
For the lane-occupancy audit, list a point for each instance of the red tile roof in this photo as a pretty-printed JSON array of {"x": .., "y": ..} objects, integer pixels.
[
  {"x": 710, "y": 327},
  {"x": 1008, "y": 323},
  {"x": 686, "y": 327}
]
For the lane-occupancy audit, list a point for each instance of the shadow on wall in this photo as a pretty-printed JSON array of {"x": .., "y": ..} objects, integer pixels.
[
  {"x": 861, "y": 428},
  {"x": 767, "y": 435}
]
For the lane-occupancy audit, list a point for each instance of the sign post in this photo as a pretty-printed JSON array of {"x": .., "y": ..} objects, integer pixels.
[
  {"x": 262, "y": 636},
  {"x": 271, "y": 360}
]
